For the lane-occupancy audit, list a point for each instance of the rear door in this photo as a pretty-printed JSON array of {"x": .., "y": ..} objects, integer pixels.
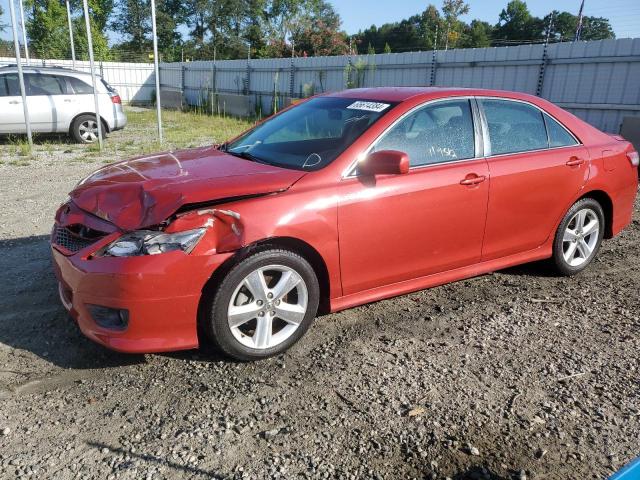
[
  {"x": 66, "y": 104},
  {"x": 537, "y": 168}
]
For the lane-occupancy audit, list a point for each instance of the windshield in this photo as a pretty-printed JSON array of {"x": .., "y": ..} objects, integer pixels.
[{"x": 311, "y": 135}]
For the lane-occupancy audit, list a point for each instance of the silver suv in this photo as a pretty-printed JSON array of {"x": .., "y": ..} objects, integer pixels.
[{"x": 60, "y": 100}]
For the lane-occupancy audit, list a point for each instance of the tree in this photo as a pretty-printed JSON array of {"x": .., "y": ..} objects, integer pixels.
[
  {"x": 517, "y": 24},
  {"x": 133, "y": 22},
  {"x": 476, "y": 35},
  {"x": 451, "y": 10},
  {"x": 47, "y": 29},
  {"x": 170, "y": 14},
  {"x": 101, "y": 50},
  {"x": 564, "y": 27},
  {"x": 320, "y": 30},
  {"x": 387, "y": 48},
  {"x": 3, "y": 26}
]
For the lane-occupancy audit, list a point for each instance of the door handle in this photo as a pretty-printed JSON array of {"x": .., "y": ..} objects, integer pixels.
[
  {"x": 473, "y": 180},
  {"x": 575, "y": 161},
  {"x": 15, "y": 102}
]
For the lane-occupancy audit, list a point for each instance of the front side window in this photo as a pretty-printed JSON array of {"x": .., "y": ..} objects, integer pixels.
[
  {"x": 9, "y": 85},
  {"x": 439, "y": 132},
  {"x": 514, "y": 127},
  {"x": 4, "y": 91},
  {"x": 558, "y": 135},
  {"x": 309, "y": 136},
  {"x": 42, "y": 84}
]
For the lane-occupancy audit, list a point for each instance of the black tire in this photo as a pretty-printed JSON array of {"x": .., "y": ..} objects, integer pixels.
[
  {"x": 79, "y": 135},
  {"x": 562, "y": 266},
  {"x": 217, "y": 304}
]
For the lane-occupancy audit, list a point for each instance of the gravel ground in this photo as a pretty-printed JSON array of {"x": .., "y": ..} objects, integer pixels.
[{"x": 518, "y": 374}]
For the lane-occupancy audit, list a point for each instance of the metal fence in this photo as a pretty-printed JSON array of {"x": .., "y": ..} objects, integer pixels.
[
  {"x": 598, "y": 81},
  {"x": 134, "y": 81}
]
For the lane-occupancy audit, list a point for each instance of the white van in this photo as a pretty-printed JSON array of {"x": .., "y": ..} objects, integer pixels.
[{"x": 60, "y": 100}]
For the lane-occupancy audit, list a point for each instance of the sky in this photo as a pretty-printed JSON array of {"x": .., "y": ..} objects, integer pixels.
[{"x": 360, "y": 14}]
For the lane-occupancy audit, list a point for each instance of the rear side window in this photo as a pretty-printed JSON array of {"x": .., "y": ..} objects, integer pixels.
[
  {"x": 439, "y": 132},
  {"x": 558, "y": 135},
  {"x": 37, "y": 84},
  {"x": 514, "y": 127},
  {"x": 79, "y": 87},
  {"x": 9, "y": 86}
]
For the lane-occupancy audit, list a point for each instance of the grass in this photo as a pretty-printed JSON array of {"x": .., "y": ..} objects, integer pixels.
[{"x": 139, "y": 137}]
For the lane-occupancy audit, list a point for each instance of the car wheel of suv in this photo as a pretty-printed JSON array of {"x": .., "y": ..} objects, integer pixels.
[
  {"x": 263, "y": 306},
  {"x": 85, "y": 129},
  {"x": 579, "y": 236}
]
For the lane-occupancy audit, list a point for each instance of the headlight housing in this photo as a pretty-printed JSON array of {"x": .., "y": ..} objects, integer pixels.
[{"x": 149, "y": 242}]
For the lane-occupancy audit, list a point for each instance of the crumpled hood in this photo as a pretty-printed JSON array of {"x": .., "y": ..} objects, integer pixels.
[{"x": 145, "y": 191}]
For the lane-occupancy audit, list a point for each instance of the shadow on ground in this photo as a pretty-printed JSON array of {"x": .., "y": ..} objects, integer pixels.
[
  {"x": 190, "y": 470},
  {"x": 32, "y": 318},
  {"x": 38, "y": 139}
]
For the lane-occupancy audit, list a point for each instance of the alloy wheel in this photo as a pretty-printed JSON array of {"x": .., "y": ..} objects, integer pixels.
[
  {"x": 580, "y": 237},
  {"x": 89, "y": 131},
  {"x": 267, "y": 307}
]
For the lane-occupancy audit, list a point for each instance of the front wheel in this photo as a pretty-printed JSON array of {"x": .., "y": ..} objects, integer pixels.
[
  {"x": 579, "y": 237},
  {"x": 263, "y": 306}
]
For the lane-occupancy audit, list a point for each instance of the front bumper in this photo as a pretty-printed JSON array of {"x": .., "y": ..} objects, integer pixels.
[{"x": 161, "y": 292}]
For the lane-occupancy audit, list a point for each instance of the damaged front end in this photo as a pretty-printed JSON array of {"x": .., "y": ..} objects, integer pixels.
[{"x": 209, "y": 230}]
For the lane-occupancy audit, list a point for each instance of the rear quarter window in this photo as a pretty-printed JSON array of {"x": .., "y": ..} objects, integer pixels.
[
  {"x": 558, "y": 135},
  {"x": 79, "y": 87}
]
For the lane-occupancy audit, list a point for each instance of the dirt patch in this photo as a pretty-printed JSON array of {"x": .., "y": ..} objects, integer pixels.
[{"x": 518, "y": 374}]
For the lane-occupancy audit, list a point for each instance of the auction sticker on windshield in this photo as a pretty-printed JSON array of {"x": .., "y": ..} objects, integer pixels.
[{"x": 369, "y": 106}]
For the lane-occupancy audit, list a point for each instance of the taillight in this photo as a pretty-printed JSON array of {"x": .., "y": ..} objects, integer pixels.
[
  {"x": 634, "y": 158},
  {"x": 116, "y": 99}
]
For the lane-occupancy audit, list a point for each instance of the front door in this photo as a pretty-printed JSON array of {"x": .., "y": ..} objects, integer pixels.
[
  {"x": 399, "y": 227},
  {"x": 12, "y": 118},
  {"x": 42, "y": 92}
]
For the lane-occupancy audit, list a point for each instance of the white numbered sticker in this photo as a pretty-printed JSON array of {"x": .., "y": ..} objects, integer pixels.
[{"x": 369, "y": 106}]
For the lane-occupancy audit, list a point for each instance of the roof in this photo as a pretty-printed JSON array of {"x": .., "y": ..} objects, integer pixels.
[
  {"x": 41, "y": 69},
  {"x": 401, "y": 94}
]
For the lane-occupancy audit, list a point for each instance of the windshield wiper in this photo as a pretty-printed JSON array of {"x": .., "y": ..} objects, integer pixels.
[{"x": 247, "y": 156}]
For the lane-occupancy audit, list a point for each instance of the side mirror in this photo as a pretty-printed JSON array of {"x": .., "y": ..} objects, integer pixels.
[{"x": 385, "y": 162}]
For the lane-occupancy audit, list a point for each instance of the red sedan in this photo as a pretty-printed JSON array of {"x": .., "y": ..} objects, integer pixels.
[{"x": 344, "y": 199}]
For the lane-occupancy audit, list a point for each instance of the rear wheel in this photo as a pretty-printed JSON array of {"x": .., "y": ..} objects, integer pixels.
[
  {"x": 579, "y": 237},
  {"x": 85, "y": 129},
  {"x": 263, "y": 306}
]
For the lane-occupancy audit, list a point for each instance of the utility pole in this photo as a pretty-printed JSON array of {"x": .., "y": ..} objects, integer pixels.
[
  {"x": 24, "y": 33},
  {"x": 157, "y": 68},
  {"x": 16, "y": 46},
  {"x": 73, "y": 47},
  {"x": 446, "y": 40},
  {"x": 93, "y": 72},
  {"x": 579, "y": 26}
]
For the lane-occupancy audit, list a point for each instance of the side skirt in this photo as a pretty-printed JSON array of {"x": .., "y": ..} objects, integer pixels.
[{"x": 436, "y": 279}]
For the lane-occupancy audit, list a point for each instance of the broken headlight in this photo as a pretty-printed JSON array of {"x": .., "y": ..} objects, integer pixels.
[{"x": 149, "y": 242}]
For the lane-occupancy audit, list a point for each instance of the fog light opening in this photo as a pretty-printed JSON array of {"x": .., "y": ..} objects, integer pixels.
[{"x": 109, "y": 318}]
